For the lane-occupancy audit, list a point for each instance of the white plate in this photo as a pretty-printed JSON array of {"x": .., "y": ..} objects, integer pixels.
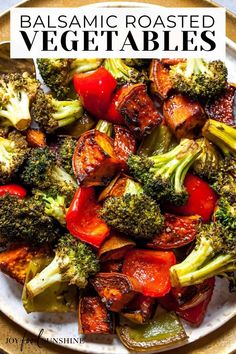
[{"x": 62, "y": 329}]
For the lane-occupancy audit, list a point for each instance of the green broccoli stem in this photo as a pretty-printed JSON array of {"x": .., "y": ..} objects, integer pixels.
[
  {"x": 17, "y": 110},
  {"x": 222, "y": 135},
  {"x": 105, "y": 127},
  {"x": 6, "y": 150},
  {"x": 67, "y": 112},
  {"x": 132, "y": 187},
  {"x": 55, "y": 207},
  {"x": 60, "y": 175},
  {"x": 118, "y": 68},
  {"x": 47, "y": 277},
  {"x": 84, "y": 65}
]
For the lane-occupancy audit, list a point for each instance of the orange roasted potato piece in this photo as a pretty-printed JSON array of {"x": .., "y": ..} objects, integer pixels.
[
  {"x": 161, "y": 84},
  {"x": 222, "y": 108},
  {"x": 178, "y": 231},
  {"x": 115, "y": 289},
  {"x": 14, "y": 261},
  {"x": 35, "y": 138},
  {"x": 93, "y": 316},
  {"x": 184, "y": 116},
  {"x": 94, "y": 160},
  {"x": 172, "y": 61},
  {"x": 140, "y": 309},
  {"x": 138, "y": 109},
  {"x": 124, "y": 143}
]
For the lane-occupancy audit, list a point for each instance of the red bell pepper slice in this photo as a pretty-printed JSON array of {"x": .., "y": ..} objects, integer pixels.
[
  {"x": 194, "y": 310},
  {"x": 201, "y": 201},
  {"x": 83, "y": 220},
  {"x": 113, "y": 115},
  {"x": 13, "y": 189},
  {"x": 95, "y": 90},
  {"x": 150, "y": 269}
]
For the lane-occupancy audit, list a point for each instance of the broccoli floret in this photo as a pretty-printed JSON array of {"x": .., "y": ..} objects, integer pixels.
[
  {"x": 163, "y": 175},
  {"x": 52, "y": 114},
  {"x": 214, "y": 254},
  {"x": 66, "y": 150},
  {"x": 13, "y": 151},
  {"x": 58, "y": 73},
  {"x": 137, "y": 62},
  {"x": 222, "y": 135},
  {"x": 41, "y": 170},
  {"x": 208, "y": 162},
  {"x": 73, "y": 263},
  {"x": 25, "y": 220},
  {"x": 16, "y": 93},
  {"x": 55, "y": 203},
  {"x": 123, "y": 73},
  {"x": 225, "y": 213},
  {"x": 224, "y": 181},
  {"x": 134, "y": 213},
  {"x": 199, "y": 78}
]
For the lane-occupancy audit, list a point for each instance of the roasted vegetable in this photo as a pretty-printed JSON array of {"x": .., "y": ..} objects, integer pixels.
[
  {"x": 52, "y": 114},
  {"x": 160, "y": 333},
  {"x": 83, "y": 219},
  {"x": 161, "y": 84},
  {"x": 223, "y": 182},
  {"x": 208, "y": 162},
  {"x": 111, "y": 266},
  {"x": 13, "y": 151},
  {"x": 199, "y": 78},
  {"x": 115, "y": 247},
  {"x": 59, "y": 297},
  {"x": 124, "y": 144},
  {"x": 58, "y": 73},
  {"x": 79, "y": 127},
  {"x": 214, "y": 253},
  {"x": 191, "y": 302},
  {"x": 95, "y": 160},
  {"x": 95, "y": 90},
  {"x": 94, "y": 317},
  {"x": 73, "y": 263},
  {"x": 138, "y": 109},
  {"x": 150, "y": 269},
  {"x": 15, "y": 260},
  {"x": 162, "y": 176},
  {"x": 159, "y": 141},
  {"x": 184, "y": 116},
  {"x": 35, "y": 138},
  {"x": 122, "y": 72},
  {"x": 66, "y": 149},
  {"x": 132, "y": 212},
  {"x": 221, "y": 135},
  {"x": 16, "y": 94},
  {"x": 177, "y": 232},
  {"x": 25, "y": 220},
  {"x": 201, "y": 199},
  {"x": 115, "y": 289},
  {"x": 222, "y": 108},
  {"x": 14, "y": 190},
  {"x": 137, "y": 62},
  {"x": 140, "y": 309},
  {"x": 42, "y": 170}
]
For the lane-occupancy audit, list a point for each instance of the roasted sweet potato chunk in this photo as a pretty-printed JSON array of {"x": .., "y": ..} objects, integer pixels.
[
  {"x": 222, "y": 108},
  {"x": 138, "y": 109},
  {"x": 115, "y": 247},
  {"x": 94, "y": 316},
  {"x": 140, "y": 309},
  {"x": 14, "y": 261},
  {"x": 35, "y": 138},
  {"x": 161, "y": 84},
  {"x": 124, "y": 143},
  {"x": 115, "y": 289},
  {"x": 184, "y": 116},
  {"x": 172, "y": 61},
  {"x": 94, "y": 160},
  {"x": 177, "y": 232}
]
